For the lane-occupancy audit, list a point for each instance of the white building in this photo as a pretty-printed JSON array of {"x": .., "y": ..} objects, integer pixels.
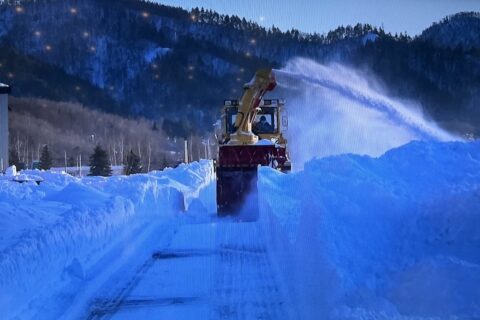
[{"x": 4, "y": 91}]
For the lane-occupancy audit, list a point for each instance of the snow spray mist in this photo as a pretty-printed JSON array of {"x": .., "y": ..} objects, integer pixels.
[{"x": 333, "y": 110}]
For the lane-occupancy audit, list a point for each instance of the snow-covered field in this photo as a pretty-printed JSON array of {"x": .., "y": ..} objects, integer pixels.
[
  {"x": 380, "y": 238},
  {"x": 348, "y": 237},
  {"x": 58, "y": 236}
]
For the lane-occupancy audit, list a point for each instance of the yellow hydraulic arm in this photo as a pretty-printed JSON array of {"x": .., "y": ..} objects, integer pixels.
[{"x": 262, "y": 82}]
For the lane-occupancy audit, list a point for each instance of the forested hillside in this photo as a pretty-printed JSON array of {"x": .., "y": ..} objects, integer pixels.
[
  {"x": 136, "y": 58},
  {"x": 71, "y": 130}
]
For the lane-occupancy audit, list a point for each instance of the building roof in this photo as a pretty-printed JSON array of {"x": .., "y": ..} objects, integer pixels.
[{"x": 4, "y": 88}]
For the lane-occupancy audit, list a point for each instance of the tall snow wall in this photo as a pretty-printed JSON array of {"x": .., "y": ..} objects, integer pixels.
[{"x": 380, "y": 238}]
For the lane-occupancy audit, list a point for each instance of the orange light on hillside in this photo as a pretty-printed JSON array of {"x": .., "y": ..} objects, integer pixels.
[
  {"x": 73, "y": 10},
  {"x": 19, "y": 9},
  {"x": 37, "y": 33},
  {"x": 48, "y": 47},
  {"x": 145, "y": 14}
]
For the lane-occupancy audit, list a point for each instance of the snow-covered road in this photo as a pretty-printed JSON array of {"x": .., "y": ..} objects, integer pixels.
[
  {"x": 348, "y": 237},
  {"x": 216, "y": 270}
]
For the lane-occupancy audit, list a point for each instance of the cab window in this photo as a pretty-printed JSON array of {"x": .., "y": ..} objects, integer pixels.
[{"x": 265, "y": 121}]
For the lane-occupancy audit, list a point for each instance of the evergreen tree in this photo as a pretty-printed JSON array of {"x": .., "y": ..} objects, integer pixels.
[
  {"x": 133, "y": 165},
  {"x": 99, "y": 163},
  {"x": 45, "y": 159}
]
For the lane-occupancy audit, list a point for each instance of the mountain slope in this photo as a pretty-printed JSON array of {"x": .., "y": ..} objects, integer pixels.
[
  {"x": 459, "y": 30},
  {"x": 32, "y": 77},
  {"x": 177, "y": 66}
]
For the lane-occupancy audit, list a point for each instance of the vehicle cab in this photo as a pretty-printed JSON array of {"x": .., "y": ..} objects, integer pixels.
[{"x": 269, "y": 123}]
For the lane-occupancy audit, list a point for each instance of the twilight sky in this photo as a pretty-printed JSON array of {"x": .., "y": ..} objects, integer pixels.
[{"x": 322, "y": 16}]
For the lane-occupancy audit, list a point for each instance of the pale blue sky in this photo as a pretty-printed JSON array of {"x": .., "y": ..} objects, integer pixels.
[{"x": 321, "y": 16}]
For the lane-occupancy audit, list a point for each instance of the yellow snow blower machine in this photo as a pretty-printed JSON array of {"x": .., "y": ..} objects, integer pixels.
[{"x": 249, "y": 135}]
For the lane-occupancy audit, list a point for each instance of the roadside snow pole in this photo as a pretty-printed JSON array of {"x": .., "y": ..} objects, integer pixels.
[
  {"x": 186, "y": 151},
  {"x": 4, "y": 91},
  {"x": 65, "y": 161}
]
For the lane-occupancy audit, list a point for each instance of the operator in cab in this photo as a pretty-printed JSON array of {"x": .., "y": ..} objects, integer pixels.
[{"x": 262, "y": 126}]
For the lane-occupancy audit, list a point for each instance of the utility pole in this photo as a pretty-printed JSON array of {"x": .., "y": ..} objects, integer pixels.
[
  {"x": 186, "y": 151},
  {"x": 149, "y": 156},
  {"x": 80, "y": 166},
  {"x": 208, "y": 149},
  {"x": 4, "y": 92},
  {"x": 206, "y": 155},
  {"x": 191, "y": 149}
]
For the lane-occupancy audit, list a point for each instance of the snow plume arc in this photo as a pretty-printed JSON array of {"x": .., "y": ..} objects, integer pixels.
[{"x": 334, "y": 109}]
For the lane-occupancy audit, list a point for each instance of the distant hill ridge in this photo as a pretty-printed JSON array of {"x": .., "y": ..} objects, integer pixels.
[
  {"x": 137, "y": 58},
  {"x": 459, "y": 30}
]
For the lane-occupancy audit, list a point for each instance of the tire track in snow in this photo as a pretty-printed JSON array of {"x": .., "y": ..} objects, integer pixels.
[
  {"x": 229, "y": 272},
  {"x": 105, "y": 308},
  {"x": 246, "y": 286}
]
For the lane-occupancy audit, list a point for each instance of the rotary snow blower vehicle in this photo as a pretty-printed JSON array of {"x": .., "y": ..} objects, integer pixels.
[{"x": 249, "y": 135}]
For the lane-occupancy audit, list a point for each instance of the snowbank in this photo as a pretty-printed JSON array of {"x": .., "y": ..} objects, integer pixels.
[
  {"x": 54, "y": 232},
  {"x": 389, "y": 237}
]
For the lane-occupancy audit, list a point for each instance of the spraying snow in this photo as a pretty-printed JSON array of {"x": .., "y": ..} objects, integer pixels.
[{"x": 334, "y": 109}]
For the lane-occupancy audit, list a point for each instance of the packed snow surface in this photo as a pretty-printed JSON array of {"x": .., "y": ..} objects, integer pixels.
[
  {"x": 394, "y": 237},
  {"x": 54, "y": 236}
]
